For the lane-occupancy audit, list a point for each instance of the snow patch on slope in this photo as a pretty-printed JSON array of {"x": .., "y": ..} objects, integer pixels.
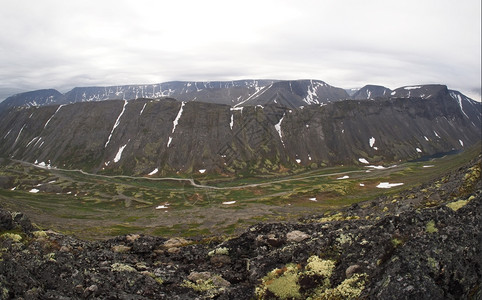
[
  {"x": 142, "y": 110},
  {"x": 412, "y": 87},
  {"x": 153, "y": 172},
  {"x": 312, "y": 97},
  {"x": 363, "y": 161},
  {"x": 458, "y": 98},
  {"x": 53, "y": 115},
  {"x": 21, "y": 129},
  {"x": 119, "y": 153},
  {"x": 387, "y": 185},
  {"x": 116, "y": 123},
  {"x": 278, "y": 129},
  {"x": 175, "y": 122}
]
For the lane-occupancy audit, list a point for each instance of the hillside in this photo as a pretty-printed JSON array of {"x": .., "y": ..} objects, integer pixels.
[{"x": 139, "y": 136}]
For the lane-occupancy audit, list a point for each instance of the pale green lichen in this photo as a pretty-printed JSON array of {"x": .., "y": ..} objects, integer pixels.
[
  {"x": 4, "y": 292},
  {"x": 433, "y": 264},
  {"x": 39, "y": 234},
  {"x": 12, "y": 236},
  {"x": 281, "y": 282},
  {"x": 456, "y": 205},
  {"x": 285, "y": 287},
  {"x": 321, "y": 267},
  {"x": 396, "y": 242},
  {"x": 118, "y": 267},
  {"x": 210, "y": 287},
  {"x": 50, "y": 257},
  {"x": 430, "y": 228},
  {"x": 199, "y": 285},
  {"x": 219, "y": 251},
  {"x": 344, "y": 238},
  {"x": 284, "y": 283},
  {"x": 335, "y": 217},
  {"x": 350, "y": 288},
  {"x": 153, "y": 276}
]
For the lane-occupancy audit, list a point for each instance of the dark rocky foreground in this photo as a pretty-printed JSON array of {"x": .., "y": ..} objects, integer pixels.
[{"x": 424, "y": 243}]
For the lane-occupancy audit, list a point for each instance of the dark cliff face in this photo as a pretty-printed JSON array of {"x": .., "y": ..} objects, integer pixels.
[{"x": 139, "y": 136}]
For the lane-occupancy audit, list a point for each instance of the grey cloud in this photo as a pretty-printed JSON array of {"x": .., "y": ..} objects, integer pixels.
[{"x": 62, "y": 44}]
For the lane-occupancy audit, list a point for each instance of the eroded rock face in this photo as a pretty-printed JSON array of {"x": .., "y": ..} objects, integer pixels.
[{"x": 417, "y": 252}]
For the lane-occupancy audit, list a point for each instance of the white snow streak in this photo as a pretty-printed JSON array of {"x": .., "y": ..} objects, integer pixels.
[
  {"x": 387, "y": 185},
  {"x": 461, "y": 143},
  {"x": 175, "y": 122},
  {"x": 311, "y": 94},
  {"x": 229, "y": 202},
  {"x": 436, "y": 134},
  {"x": 344, "y": 177},
  {"x": 202, "y": 171},
  {"x": 236, "y": 108},
  {"x": 119, "y": 153},
  {"x": 34, "y": 191},
  {"x": 232, "y": 122},
  {"x": 363, "y": 161},
  {"x": 153, "y": 172},
  {"x": 313, "y": 199},
  {"x": 19, "y": 134},
  {"x": 418, "y": 150},
  {"x": 376, "y": 167},
  {"x": 58, "y": 108},
  {"x": 142, "y": 110},
  {"x": 371, "y": 141},
  {"x": 116, "y": 123},
  {"x": 7, "y": 133},
  {"x": 459, "y": 100},
  {"x": 426, "y": 138},
  {"x": 258, "y": 90},
  {"x": 278, "y": 128},
  {"x": 412, "y": 87},
  {"x": 165, "y": 206},
  {"x": 37, "y": 141},
  {"x": 32, "y": 141}
]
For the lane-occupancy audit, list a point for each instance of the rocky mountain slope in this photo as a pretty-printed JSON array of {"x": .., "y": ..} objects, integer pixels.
[
  {"x": 139, "y": 136},
  {"x": 422, "y": 243}
]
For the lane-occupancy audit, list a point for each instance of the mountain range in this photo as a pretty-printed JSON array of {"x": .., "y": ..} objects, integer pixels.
[
  {"x": 290, "y": 93},
  {"x": 251, "y": 126}
]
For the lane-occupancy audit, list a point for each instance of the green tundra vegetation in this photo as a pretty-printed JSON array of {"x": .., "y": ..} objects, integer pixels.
[{"x": 96, "y": 206}]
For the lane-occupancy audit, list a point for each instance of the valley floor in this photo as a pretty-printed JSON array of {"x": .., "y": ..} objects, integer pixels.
[{"x": 420, "y": 241}]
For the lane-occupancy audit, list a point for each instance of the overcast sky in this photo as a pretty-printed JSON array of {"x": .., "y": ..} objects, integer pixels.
[{"x": 346, "y": 43}]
